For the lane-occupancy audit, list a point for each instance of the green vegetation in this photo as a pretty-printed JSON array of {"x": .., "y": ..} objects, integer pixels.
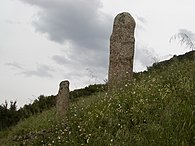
[
  {"x": 157, "y": 108},
  {"x": 11, "y": 116},
  {"x": 8, "y": 116}
]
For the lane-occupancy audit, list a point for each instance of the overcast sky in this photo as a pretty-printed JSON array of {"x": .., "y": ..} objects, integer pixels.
[{"x": 43, "y": 42}]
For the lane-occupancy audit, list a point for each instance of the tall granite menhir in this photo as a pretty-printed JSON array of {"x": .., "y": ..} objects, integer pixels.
[
  {"x": 122, "y": 44},
  {"x": 62, "y": 102}
]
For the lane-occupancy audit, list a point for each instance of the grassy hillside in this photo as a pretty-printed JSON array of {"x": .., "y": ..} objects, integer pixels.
[{"x": 157, "y": 108}]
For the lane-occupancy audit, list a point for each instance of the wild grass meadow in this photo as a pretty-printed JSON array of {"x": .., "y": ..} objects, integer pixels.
[{"x": 156, "y": 109}]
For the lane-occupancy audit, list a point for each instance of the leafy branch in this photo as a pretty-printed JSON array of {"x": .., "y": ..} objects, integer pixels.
[{"x": 183, "y": 39}]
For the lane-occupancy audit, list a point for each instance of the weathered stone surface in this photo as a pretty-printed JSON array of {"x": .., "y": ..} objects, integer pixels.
[
  {"x": 62, "y": 103},
  {"x": 122, "y": 43}
]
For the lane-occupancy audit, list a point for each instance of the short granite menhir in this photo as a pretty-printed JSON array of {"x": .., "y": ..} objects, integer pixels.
[
  {"x": 62, "y": 103},
  {"x": 122, "y": 43}
]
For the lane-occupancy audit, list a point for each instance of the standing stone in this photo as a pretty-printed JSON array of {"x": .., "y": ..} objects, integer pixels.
[
  {"x": 121, "y": 51},
  {"x": 62, "y": 103}
]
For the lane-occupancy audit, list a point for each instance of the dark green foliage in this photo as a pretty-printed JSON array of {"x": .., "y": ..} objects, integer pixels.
[
  {"x": 8, "y": 116},
  {"x": 87, "y": 91},
  {"x": 47, "y": 102},
  {"x": 39, "y": 105},
  {"x": 11, "y": 116},
  {"x": 189, "y": 56}
]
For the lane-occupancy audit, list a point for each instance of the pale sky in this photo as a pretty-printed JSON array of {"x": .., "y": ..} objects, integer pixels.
[{"x": 43, "y": 42}]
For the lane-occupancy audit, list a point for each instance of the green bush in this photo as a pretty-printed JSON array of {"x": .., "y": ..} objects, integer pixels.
[{"x": 8, "y": 116}]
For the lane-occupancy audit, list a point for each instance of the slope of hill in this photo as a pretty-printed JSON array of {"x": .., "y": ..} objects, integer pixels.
[{"x": 157, "y": 108}]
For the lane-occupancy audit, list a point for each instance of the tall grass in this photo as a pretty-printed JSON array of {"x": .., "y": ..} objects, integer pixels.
[{"x": 156, "y": 109}]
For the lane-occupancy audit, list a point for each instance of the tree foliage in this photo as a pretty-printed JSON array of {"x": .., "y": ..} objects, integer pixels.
[{"x": 10, "y": 116}]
